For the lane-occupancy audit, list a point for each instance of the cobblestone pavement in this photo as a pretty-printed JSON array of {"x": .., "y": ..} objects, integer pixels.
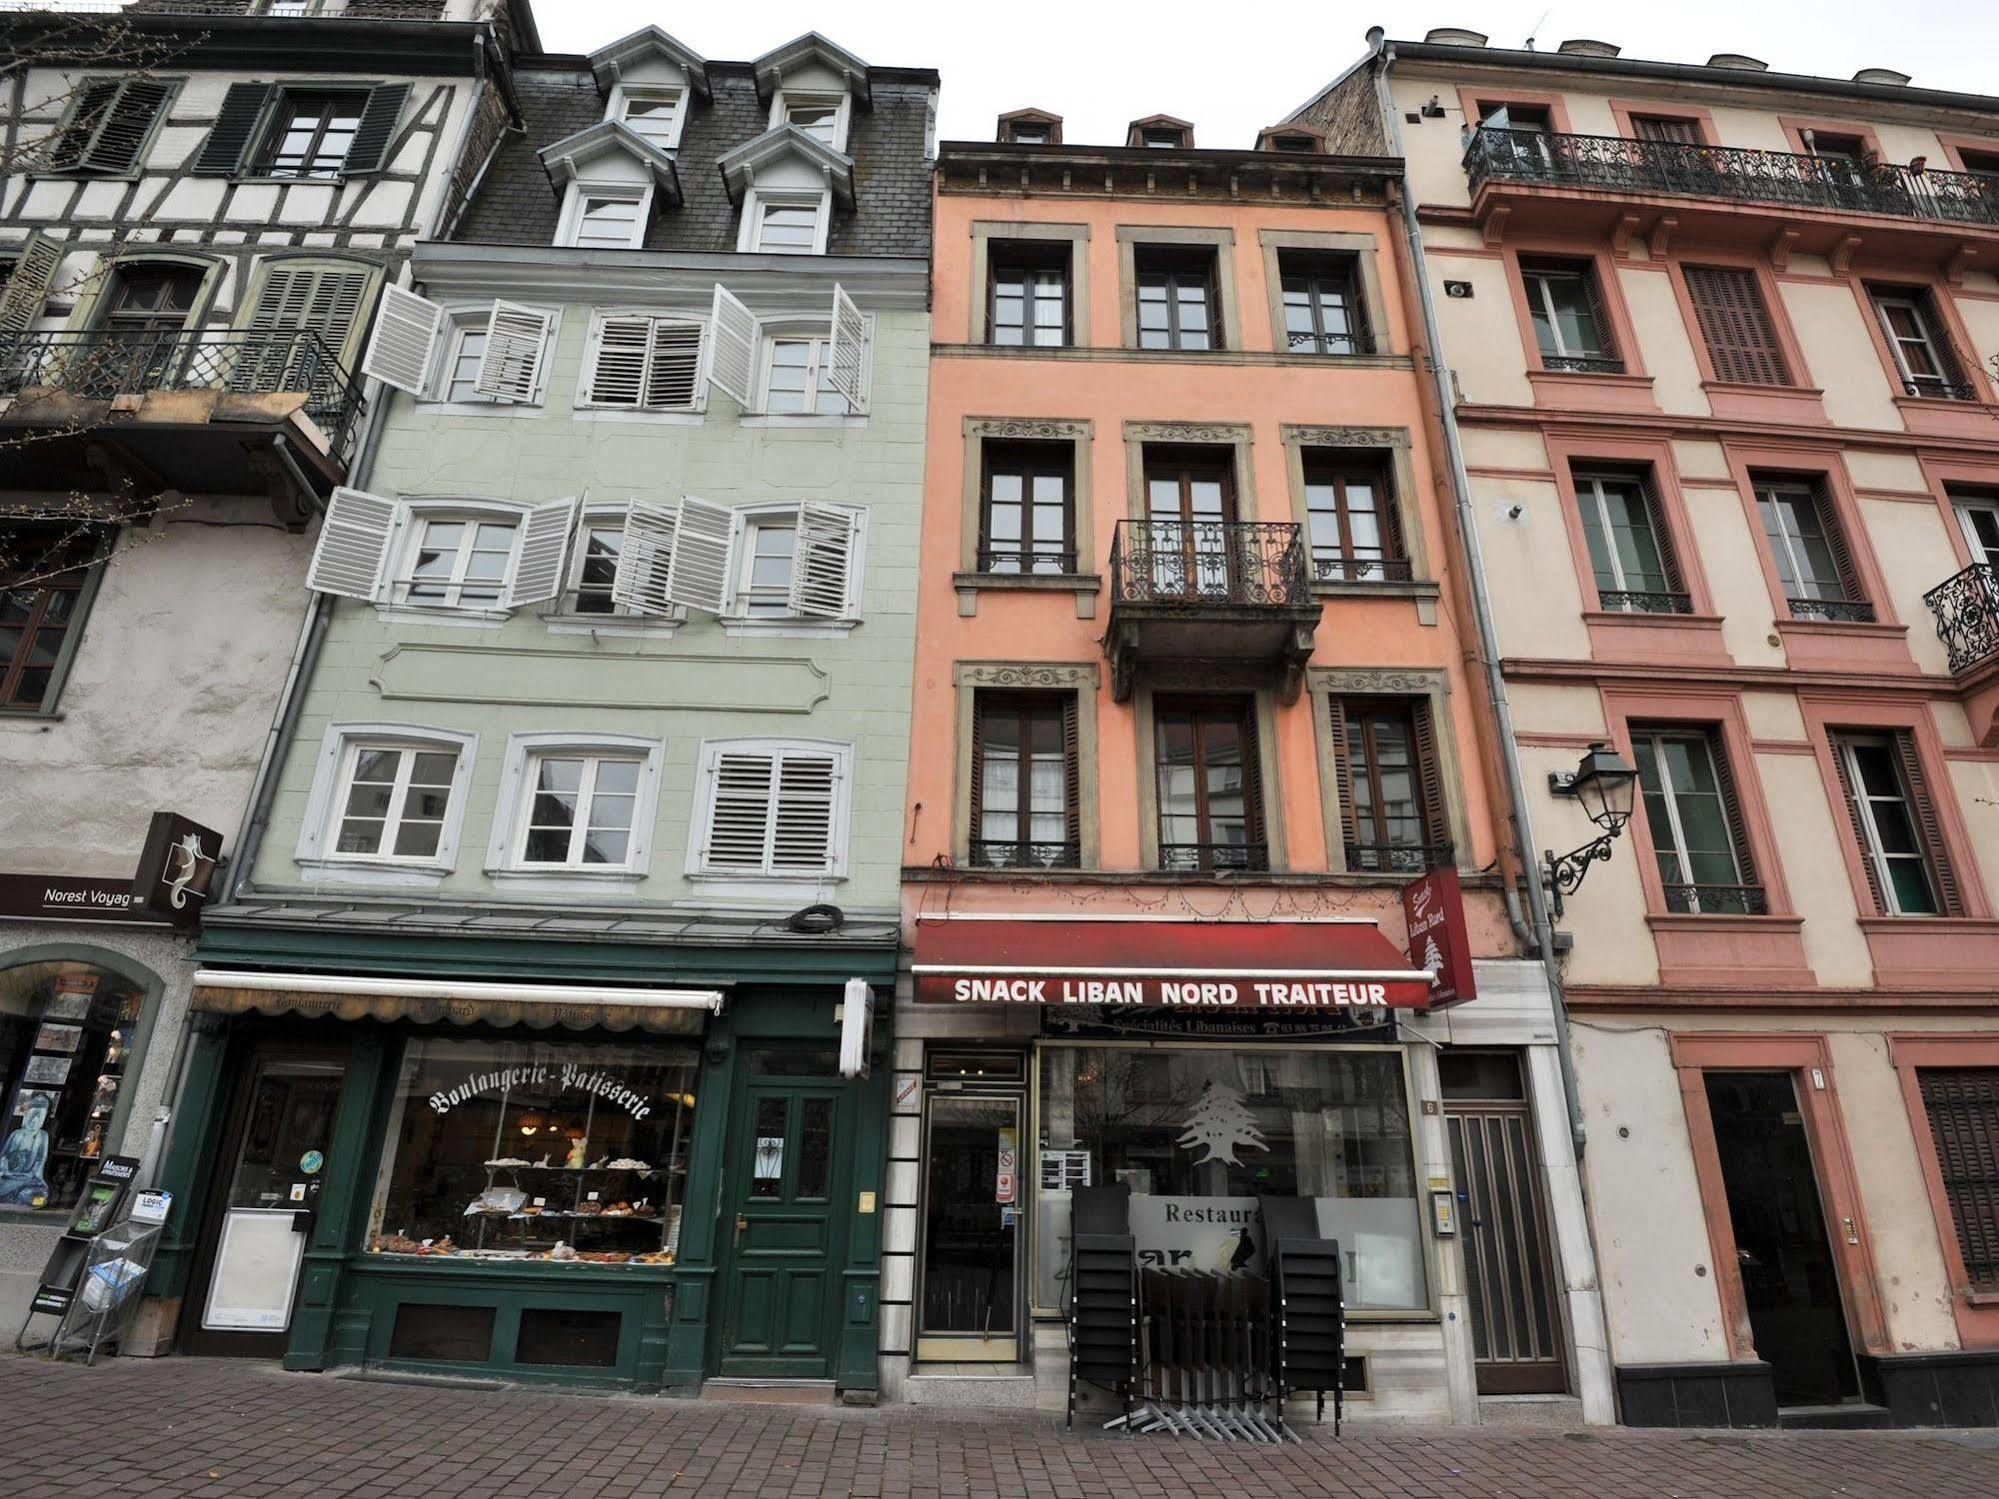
[{"x": 142, "y": 1429}]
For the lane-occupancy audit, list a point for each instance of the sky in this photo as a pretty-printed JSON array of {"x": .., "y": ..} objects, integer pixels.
[{"x": 1234, "y": 67}]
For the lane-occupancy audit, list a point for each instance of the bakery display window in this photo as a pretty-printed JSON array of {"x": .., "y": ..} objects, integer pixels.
[
  {"x": 554, "y": 1151},
  {"x": 66, "y": 1035}
]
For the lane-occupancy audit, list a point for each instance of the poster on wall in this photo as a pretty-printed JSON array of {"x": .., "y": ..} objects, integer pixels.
[
  {"x": 46, "y": 1070},
  {"x": 58, "y": 1037}
]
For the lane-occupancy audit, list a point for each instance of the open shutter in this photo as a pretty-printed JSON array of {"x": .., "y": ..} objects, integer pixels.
[
  {"x": 369, "y": 149},
  {"x": 1950, "y": 896},
  {"x": 1942, "y": 345},
  {"x": 27, "y": 289},
  {"x": 111, "y": 124},
  {"x": 1735, "y": 326},
  {"x": 516, "y": 343},
  {"x": 739, "y": 812},
  {"x": 1662, "y": 538},
  {"x": 618, "y": 374},
  {"x": 351, "y": 557},
  {"x": 228, "y": 142},
  {"x": 1599, "y": 311},
  {"x": 543, "y": 555},
  {"x": 808, "y": 789},
  {"x": 1858, "y": 819},
  {"x": 1731, "y": 808},
  {"x": 404, "y": 341},
  {"x": 732, "y": 360},
  {"x": 1963, "y": 1109},
  {"x": 1834, "y": 532},
  {"x": 823, "y": 561},
  {"x": 1072, "y": 773},
  {"x": 704, "y": 552},
  {"x": 846, "y": 352},
  {"x": 673, "y": 365},
  {"x": 976, "y": 790},
  {"x": 1342, "y": 744},
  {"x": 68, "y": 147},
  {"x": 1252, "y": 778},
  {"x": 644, "y": 556},
  {"x": 1430, "y": 778}
]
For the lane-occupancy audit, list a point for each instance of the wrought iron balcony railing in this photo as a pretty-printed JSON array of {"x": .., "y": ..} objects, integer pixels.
[
  {"x": 1359, "y": 341},
  {"x": 1717, "y": 900},
  {"x": 109, "y": 362},
  {"x": 1966, "y": 607},
  {"x": 993, "y": 853},
  {"x": 1611, "y": 163},
  {"x": 1845, "y": 611},
  {"x": 1252, "y": 858},
  {"x": 1644, "y": 601},
  {"x": 1013, "y": 562},
  {"x": 1397, "y": 858},
  {"x": 360, "y": 10},
  {"x": 1583, "y": 364},
  {"x": 1333, "y": 569},
  {"x": 1941, "y": 390},
  {"x": 1189, "y": 566}
]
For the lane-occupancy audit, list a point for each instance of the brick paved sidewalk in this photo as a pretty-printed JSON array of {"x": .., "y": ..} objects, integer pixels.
[{"x": 144, "y": 1429}]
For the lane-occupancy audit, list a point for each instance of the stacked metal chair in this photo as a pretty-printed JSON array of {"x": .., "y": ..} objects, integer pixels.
[
  {"x": 1103, "y": 1296},
  {"x": 1308, "y": 1332}
]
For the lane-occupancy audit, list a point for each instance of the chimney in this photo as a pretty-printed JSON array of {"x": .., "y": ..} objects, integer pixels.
[
  {"x": 1741, "y": 62},
  {"x": 1454, "y": 36},
  {"x": 1582, "y": 47},
  {"x": 1881, "y": 75}
]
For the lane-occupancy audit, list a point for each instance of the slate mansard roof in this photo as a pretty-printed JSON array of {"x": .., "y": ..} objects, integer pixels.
[{"x": 560, "y": 96}]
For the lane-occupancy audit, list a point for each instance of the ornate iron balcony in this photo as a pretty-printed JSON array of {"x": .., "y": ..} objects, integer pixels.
[
  {"x": 1848, "y": 611},
  {"x": 1967, "y": 613},
  {"x": 1582, "y": 364},
  {"x": 110, "y": 362},
  {"x": 1642, "y": 601},
  {"x": 1357, "y": 342},
  {"x": 1397, "y": 858},
  {"x": 1016, "y": 562},
  {"x": 992, "y": 853},
  {"x": 1331, "y": 569},
  {"x": 1717, "y": 900},
  {"x": 1250, "y": 857},
  {"x": 1941, "y": 390},
  {"x": 1611, "y": 163},
  {"x": 1194, "y": 565},
  {"x": 360, "y": 10}
]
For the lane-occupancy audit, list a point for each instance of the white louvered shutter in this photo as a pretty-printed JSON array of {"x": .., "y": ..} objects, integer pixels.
[
  {"x": 543, "y": 555},
  {"x": 400, "y": 349},
  {"x": 732, "y": 360},
  {"x": 352, "y": 554},
  {"x": 644, "y": 557},
  {"x": 704, "y": 556},
  {"x": 516, "y": 344},
  {"x": 618, "y": 375},
  {"x": 673, "y": 365},
  {"x": 802, "y": 825},
  {"x": 823, "y": 561},
  {"x": 847, "y": 352},
  {"x": 740, "y": 812}
]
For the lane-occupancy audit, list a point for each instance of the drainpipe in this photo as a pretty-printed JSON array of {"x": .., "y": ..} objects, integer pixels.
[{"x": 1488, "y": 634}]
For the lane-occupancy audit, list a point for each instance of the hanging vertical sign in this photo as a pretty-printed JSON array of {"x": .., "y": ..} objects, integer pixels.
[
  {"x": 857, "y": 1013},
  {"x": 1438, "y": 937}
]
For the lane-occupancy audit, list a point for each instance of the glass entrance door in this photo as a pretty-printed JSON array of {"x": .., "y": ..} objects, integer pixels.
[
  {"x": 256, "y": 1232},
  {"x": 970, "y": 1306}
]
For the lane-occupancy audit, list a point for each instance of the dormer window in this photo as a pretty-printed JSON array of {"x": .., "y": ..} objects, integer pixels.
[
  {"x": 613, "y": 177},
  {"x": 821, "y": 115},
  {"x": 1026, "y": 134},
  {"x": 1164, "y": 140},
  {"x": 1160, "y": 133},
  {"x": 786, "y": 223},
  {"x": 1030, "y": 127},
  {"x": 655, "y": 115},
  {"x": 610, "y": 219}
]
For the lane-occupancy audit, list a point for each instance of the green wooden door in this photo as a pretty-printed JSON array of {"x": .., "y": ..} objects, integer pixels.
[{"x": 785, "y": 1219}]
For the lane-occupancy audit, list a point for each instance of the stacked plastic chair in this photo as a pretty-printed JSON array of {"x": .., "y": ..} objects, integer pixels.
[
  {"x": 1103, "y": 1297},
  {"x": 1308, "y": 1311}
]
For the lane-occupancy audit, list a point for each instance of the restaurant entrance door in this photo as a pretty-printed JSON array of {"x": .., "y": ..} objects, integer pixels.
[{"x": 969, "y": 1299}]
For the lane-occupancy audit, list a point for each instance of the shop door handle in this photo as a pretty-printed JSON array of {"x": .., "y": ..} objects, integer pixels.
[
  {"x": 1852, "y": 1233},
  {"x": 741, "y": 1224}
]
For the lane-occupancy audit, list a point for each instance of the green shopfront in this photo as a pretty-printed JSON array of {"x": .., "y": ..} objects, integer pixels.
[{"x": 629, "y": 1164}]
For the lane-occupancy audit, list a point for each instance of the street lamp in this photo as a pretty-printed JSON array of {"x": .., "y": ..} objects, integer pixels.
[{"x": 1607, "y": 785}]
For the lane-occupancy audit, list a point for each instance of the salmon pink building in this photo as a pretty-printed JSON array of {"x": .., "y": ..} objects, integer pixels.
[{"x": 1192, "y": 727}]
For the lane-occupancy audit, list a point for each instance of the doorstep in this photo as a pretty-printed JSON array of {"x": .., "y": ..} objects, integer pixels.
[
  {"x": 1848, "y": 1415},
  {"x": 972, "y": 1386},
  {"x": 1548, "y": 1412},
  {"x": 771, "y": 1391}
]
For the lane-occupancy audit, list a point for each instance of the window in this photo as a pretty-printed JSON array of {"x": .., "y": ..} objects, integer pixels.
[
  {"x": 821, "y": 116},
  {"x": 1735, "y": 325},
  {"x": 1163, "y": 139},
  {"x": 1571, "y": 325},
  {"x": 1026, "y": 785},
  {"x": 1628, "y": 549},
  {"x": 1330, "y": 1126},
  {"x": 1671, "y": 129},
  {"x": 1177, "y": 303},
  {"x": 496, "y": 353},
  {"x": 461, "y": 368},
  {"x": 458, "y": 562},
  {"x": 1354, "y": 531},
  {"x": 1980, "y": 163},
  {"x": 1027, "y": 520},
  {"x": 639, "y": 362},
  {"x": 1963, "y": 1108},
  {"x": 579, "y": 810},
  {"x": 771, "y": 809},
  {"x": 1028, "y": 291},
  {"x": 1190, "y": 507},
  {"x": 595, "y": 568},
  {"x": 1029, "y": 133},
  {"x": 1695, "y": 821},
  {"x": 769, "y": 550},
  {"x": 1514, "y": 137},
  {"x": 394, "y": 801},
  {"x": 655, "y": 116},
  {"x": 787, "y": 226},
  {"x": 1896, "y": 824},
  {"x": 1814, "y": 565},
  {"x": 1209, "y": 784},
  {"x": 1390, "y": 782},
  {"x": 45, "y": 572},
  {"x": 1323, "y": 313},
  {"x": 770, "y": 562},
  {"x": 607, "y": 219},
  {"x": 312, "y": 133},
  {"x": 1978, "y": 515},
  {"x": 796, "y": 378},
  {"x": 108, "y": 128},
  {"x": 67, "y": 1030},
  {"x": 1924, "y": 357}
]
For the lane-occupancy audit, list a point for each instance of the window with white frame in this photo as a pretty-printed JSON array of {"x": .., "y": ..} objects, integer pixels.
[
  {"x": 768, "y": 553},
  {"x": 394, "y": 800},
  {"x": 655, "y": 115},
  {"x": 476, "y": 557},
  {"x": 594, "y": 564},
  {"x": 788, "y": 368},
  {"x": 644, "y": 362},
  {"x": 457, "y": 561},
  {"x": 579, "y": 810},
  {"x": 786, "y": 223},
  {"x": 458, "y": 380},
  {"x": 764, "y": 562},
  {"x": 496, "y": 352},
  {"x": 771, "y": 809},
  {"x": 604, "y": 218},
  {"x": 821, "y": 115},
  {"x": 796, "y": 377}
]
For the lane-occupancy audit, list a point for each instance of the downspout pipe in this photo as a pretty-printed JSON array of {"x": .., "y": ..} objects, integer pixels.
[{"x": 1488, "y": 634}]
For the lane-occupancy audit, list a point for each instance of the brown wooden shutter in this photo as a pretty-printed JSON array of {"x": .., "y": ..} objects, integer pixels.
[
  {"x": 1666, "y": 128},
  {"x": 1363, "y": 332},
  {"x": 1389, "y": 512},
  {"x": 1343, "y": 771},
  {"x": 1940, "y": 340},
  {"x": 1929, "y": 826},
  {"x": 1735, "y": 325},
  {"x": 1072, "y": 772},
  {"x": 1252, "y": 775},
  {"x": 1858, "y": 820},
  {"x": 1662, "y": 538},
  {"x": 1963, "y": 1109},
  {"x": 976, "y": 792},
  {"x": 1731, "y": 807},
  {"x": 1599, "y": 311},
  {"x": 1430, "y": 777},
  {"x": 1836, "y": 541}
]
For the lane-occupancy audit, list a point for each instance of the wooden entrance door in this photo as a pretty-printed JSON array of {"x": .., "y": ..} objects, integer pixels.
[{"x": 785, "y": 1223}]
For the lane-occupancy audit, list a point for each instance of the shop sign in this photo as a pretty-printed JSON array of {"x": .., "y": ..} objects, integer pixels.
[
  {"x": 177, "y": 867},
  {"x": 1003, "y": 1177},
  {"x": 1231, "y": 992},
  {"x": 1195, "y": 1233},
  {"x": 1438, "y": 938},
  {"x": 566, "y": 1076},
  {"x": 1102, "y": 1022},
  {"x": 63, "y": 897}
]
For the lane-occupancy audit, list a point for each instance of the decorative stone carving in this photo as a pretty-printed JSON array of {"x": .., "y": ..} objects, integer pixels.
[
  {"x": 1001, "y": 428},
  {"x": 1186, "y": 432},
  {"x": 1347, "y": 437},
  {"x": 1386, "y": 681},
  {"x": 1043, "y": 674}
]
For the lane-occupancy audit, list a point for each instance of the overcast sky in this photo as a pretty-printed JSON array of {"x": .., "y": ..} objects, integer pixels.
[{"x": 1233, "y": 67}]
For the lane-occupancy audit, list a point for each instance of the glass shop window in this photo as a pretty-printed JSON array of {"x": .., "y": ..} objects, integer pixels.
[
  {"x": 552, "y": 1151},
  {"x": 65, "y": 1042},
  {"x": 1200, "y": 1133}
]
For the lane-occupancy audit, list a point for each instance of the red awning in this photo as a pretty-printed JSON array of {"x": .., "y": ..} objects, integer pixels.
[{"x": 1287, "y": 965}]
